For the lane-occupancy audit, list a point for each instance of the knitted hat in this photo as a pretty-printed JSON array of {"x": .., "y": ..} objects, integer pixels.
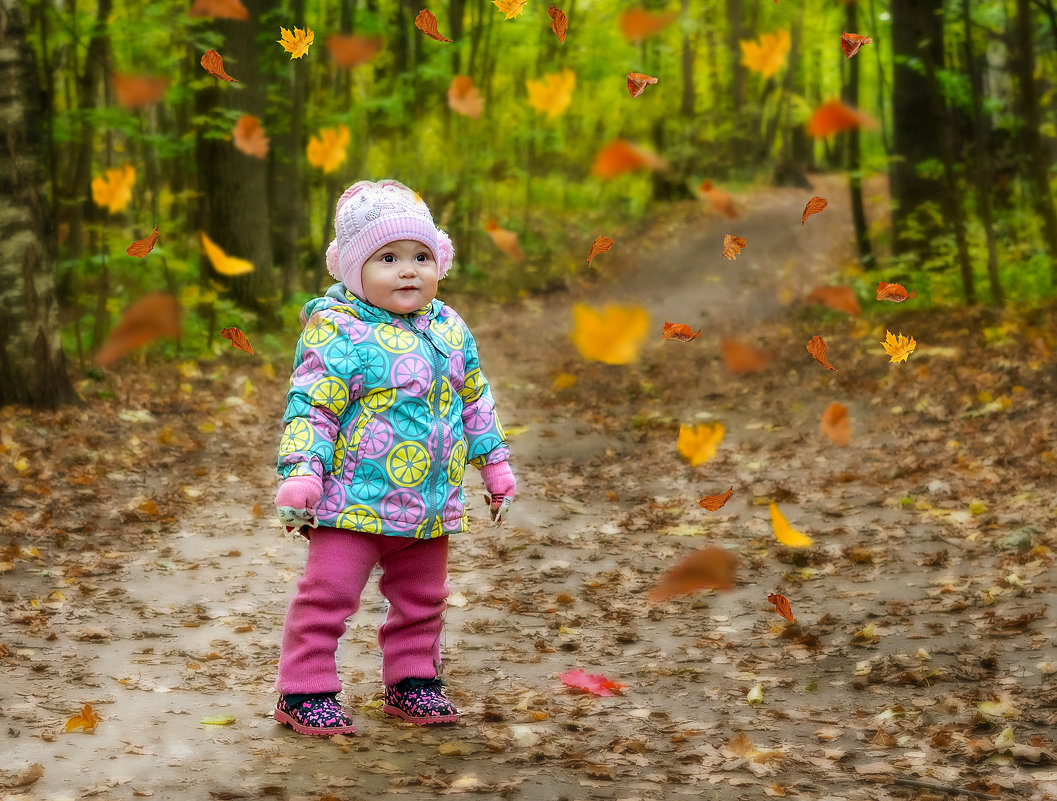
[{"x": 371, "y": 214}]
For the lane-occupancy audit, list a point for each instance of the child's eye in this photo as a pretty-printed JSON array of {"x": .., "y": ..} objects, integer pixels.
[
  {"x": 421, "y": 257},
  {"x": 388, "y": 257}
]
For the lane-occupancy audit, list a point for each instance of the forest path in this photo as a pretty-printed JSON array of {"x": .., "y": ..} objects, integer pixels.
[{"x": 157, "y": 589}]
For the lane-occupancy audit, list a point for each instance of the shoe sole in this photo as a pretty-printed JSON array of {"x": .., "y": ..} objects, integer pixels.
[
  {"x": 419, "y": 720},
  {"x": 312, "y": 731}
]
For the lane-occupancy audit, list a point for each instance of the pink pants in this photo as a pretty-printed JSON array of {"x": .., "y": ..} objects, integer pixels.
[{"x": 414, "y": 580}]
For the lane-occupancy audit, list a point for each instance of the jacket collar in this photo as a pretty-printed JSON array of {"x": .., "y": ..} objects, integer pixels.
[{"x": 374, "y": 314}]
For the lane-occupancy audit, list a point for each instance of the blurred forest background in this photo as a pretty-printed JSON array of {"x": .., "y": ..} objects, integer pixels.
[{"x": 113, "y": 126}]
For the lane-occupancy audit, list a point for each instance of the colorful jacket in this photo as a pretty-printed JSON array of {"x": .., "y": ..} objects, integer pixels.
[{"x": 388, "y": 409}]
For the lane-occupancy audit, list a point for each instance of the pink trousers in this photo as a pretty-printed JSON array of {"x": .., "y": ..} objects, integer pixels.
[{"x": 414, "y": 580}]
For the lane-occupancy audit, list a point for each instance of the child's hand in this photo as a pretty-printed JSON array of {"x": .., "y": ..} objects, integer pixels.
[
  {"x": 296, "y": 501},
  {"x": 501, "y": 486}
]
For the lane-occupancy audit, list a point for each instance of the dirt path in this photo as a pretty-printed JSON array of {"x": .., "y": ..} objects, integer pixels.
[{"x": 140, "y": 578}]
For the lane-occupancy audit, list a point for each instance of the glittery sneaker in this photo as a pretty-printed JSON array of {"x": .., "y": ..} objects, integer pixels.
[
  {"x": 419, "y": 701},
  {"x": 318, "y": 715}
]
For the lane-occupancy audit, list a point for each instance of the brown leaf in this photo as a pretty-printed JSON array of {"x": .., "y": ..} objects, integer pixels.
[
  {"x": 464, "y": 98},
  {"x": 835, "y": 297},
  {"x": 228, "y": 9},
  {"x": 559, "y": 22},
  {"x": 896, "y": 293},
  {"x": 817, "y": 348},
  {"x": 134, "y": 91},
  {"x": 814, "y": 206},
  {"x": 714, "y": 502},
  {"x": 836, "y": 425},
  {"x": 238, "y": 339},
  {"x": 348, "y": 51},
  {"x": 505, "y": 240},
  {"x": 679, "y": 331},
  {"x": 249, "y": 136},
  {"x": 213, "y": 63},
  {"x": 638, "y": 23},
  {"x": 141, "y": 247},
  {"x": 427, "y": 23},
  {"x": 851, "y": 42},
  {"x": 22, "y": 778},
  {"x": 708, "y": 568},
  {"x": 741, "y": 358},
  {"x": 154, "y": 316},
  {"x": 600, "y": 245},
  {"x": 781, "y": 606},
  {"x": 721, "y": 201},
  {"x": 732, "y": 246},
  {"x": 637, "y": 83}
]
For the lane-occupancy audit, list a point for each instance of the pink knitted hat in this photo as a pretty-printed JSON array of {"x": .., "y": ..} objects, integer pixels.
[{"x": 370, "y": 214}]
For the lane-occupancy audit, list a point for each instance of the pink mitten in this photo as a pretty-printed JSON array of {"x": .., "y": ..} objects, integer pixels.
[
  {"x": 296, "y": 501},
  {"x": 501, "y": 486}
]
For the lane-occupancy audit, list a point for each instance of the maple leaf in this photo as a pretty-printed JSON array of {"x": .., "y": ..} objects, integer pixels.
[
  {"x": 348, "y": 51},
  {"x": 222, "y": 262},
  {"x": 115, "y": 190},
  {"x": 817, "y": 348},
  {"x": 87, "y": 719},
  {"x": 679, "y": 331},
  {"x": 142, "y": 247},
  {"x": 896, "y": 293},
  {"x": 835, "y": 424},
  {"x": 249, "y": 137},
  {"x": 613, "y": 336},
  {"x": 638, "y": 23},
  {"x": 427, "y": 23},
  {"x": 709, "y": 568},
  {"x": 134, "y": 91},
  {"x": 715, "y": 502},
  {"x": 553, "y": 93},
  {"x": 781, "y": 606},
  {"x": 213, "y": 63},
  {"x": 784, "y": 533},
  {"x": 296, "y": 43},
  {"x": 835, "y": 297},
  {"x": 833, "y": 117},
  {"x": 327, "y": 151},
  {"x": 227, "y": 9},
  {"x": 559, "y": 22},
  {"x": 719, "y": 200},
  {"x": 592, "y": 683},
  {"x": 767, "y": 54},
  {"x": 741, "y": 358},
  {"x": 698, "y": 444},
  {"x": 814, "y": 206},
  {"x": 851, "y": 42},
  {"x": 464, "y": 98},
  {"x": 149, "y": 318},
  {"x": 622, "y": 156},
  {"x": 601, "y": 245},
  {"x": 732, "y": 246},
  {"x": 638, "y": 81},
  {"x": 898, "y": 347},
  {"x": 238, "y": 339},
  {"x": 512, "y": 8},
  {"x": 505, "y": 240}
]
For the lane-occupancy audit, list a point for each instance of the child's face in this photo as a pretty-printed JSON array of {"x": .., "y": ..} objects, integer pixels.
[{"x": 400, "y": 277}]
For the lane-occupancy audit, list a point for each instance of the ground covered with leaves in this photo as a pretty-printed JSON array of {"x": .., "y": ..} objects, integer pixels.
[{"x": 143, "y": 575}]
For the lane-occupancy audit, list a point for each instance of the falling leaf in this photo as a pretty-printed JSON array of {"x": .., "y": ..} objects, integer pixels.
[
  {"x": 743, "y": 747},
  {"x": 836, "y": 425},
  {"x": 732, "y": 246},
  {"x": 153, "y": 316},
  {"x": 896, "y": 293},
  {"x": 601, "y": 245},
  {"x": 698, "y": 444},
  {"x": 222, "y": 262},
  {"x": 817, "y": 348},
  {"x": 296, "y": 43},
  {"x": 348, "y": 51},
  {"x": 784, "y": 533},
  {"x": 134, "y": 91},
  {"x": 709, "y": 568},
  {"x": 238, "y": 339},
  {"x": 741, "y": 358},
  {"x": 223, "y": 720},
  {"x": 213, "y": 63},
  {"x": 637, "y": 83},
  {"x": 613, "y": 336},
  {"x": 679, "y": 331},
  {"x": 851, "y": 42},
  {"x": 553, "y": 93},
  {"x": 227, "y": 9},
  {"x": 594, "y": 684},
  {"x": 464, "y": 98},
  {"x": 719, "y": 200},
  {"x": 835, "y": 297},
  {"x": 833, "y": 117},
  {"x": 505, "y": 240},
  {"x": 714, "y": 502},
  {"x": 115, "y": 190},
  {"x": 767, "y": 54},
  {"x": 87, "y": 720},
  {"x": 141, "y": 247},
  {"x": 327, "y": 151},
  {"x": 512, "y": 8},
  {"x": 427, "y": 23},
  {"x": 559, "y": 22},
  {"x": 781, "y": 606},
  {"x": 898, "y": 347},
  {"x": 638, "y": 23},
  {"x": 249, "y": 137},
  {"x": 755, "y": 695},
  {"x": 814, "y": 206},
  {"x": 621, "y": 156}
]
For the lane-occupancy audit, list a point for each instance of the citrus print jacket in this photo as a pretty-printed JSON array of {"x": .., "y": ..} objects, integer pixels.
[{"x": 388, "y": 409}]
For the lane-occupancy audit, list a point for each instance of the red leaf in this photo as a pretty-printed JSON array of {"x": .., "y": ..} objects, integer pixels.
[
  {"x": 781, "y": 606},
  {"x": 896, "y": 293},
  {"x": 851, "y": 42},
  {"x": 680, "y": 331},
  {"x": 715, "y": 502},
  {"x": 594, "y": 684},
  {"x": 238, "y": 339},
  {"x": 141, "y": 247}
]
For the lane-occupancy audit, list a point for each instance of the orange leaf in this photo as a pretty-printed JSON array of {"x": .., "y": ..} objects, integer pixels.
[
  {"x": 427, "y": 23},
  {"x": 505, "y": 240},
  {"x": 296, "y": 42},
  {"x": 87, "y": 720},
  {"x": 781, "y": 606},
  {"x": 680, "y": 331},
  {"x": 559, "y": 22},
  {"x": 709, "y": 568},
  {"x": 134, "y": 91},
  {"x": 622, "y": 156},
  {"x": 115, "y": 190},
  {"x": 732, "y": 246},
  {"x": 329, "y": 150},
  {"x": 814, "y": 206},
  {"x": 833, "y": 117},
  {"x": 836, "y": 425},
  {"x": 851, "y": 42},
  {"x": 249, "y": 136},
  {"x": 836, "y": 297},
  {"x": 600, "y": 245},
  {"x": 348, "y": 51},
  {"x": 228, "y": 9},
  {"x": 720, "y": 201},
  {"x": 638, "y": 23},
  {"x": 512, "y": 8},
  {"x": 464, "y": 98},
  {"x": 156, "y": 315},
  {"x": 817, "y": 348},
  {"x": 714, "y": 502},
  {"x": 741, "y": 358},
  {"x": 896, "y": 293},
  {"x": 637, "y": 82},
  {"x": 898, "y": 347},
  {"x": 213, "y": 63},
  {"x": 142, "y": 247},
  {"x": 238, "y": 339}
]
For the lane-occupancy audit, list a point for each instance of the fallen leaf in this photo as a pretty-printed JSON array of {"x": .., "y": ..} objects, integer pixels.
[
  {"x": 698, "y": 444},
  {"x": 512, "y": 8},
  {"x": 350, "y": 50},
  {"x": 464, "y": 98},
  {"x": 553, "y": 93},
  {"x": 135, "y": 91},
  {"x": 115, "y": 190},
  {"x": 141, "y": 247},
  {"x": 221, "y": 261},
  {"x": 898, "y": 347},
  {"x": 896, "y": 293},
  {"x": 741, "y": 358},
  {"x": 297, "y": 42},
  {"x": 249, "y": 137},
  {"x": 238, "y": 339},
  {"x": 327, "y": 151},
  {"x": 638, "y": 23},
  {"x": 766, "y": 54},
  {"x": 637, "y": 83},
  {"x": 867, "y": 633},
  {"x": 814, "y": 206},
  {"x": 721, "y": 201},
  {"x": 835, "y": 297},
  {"x": 714, "y": 502},
  {"x": 21, "y": 778},
  {"x": 785, "y": 533},
  {"x": 621, "y": 156},
  {"x": 851, "y": 42},
  {"x": 427, "y": 23},
  {"x": 596, "y": 684},
  {"x": 781, "y": 605},
  {"x": 223, "y": 720},
  {"x": 505, "y": 240},
  {"x": 817, "y": 348},
  {"x": 613, "y": 336},
  {"x": 874, "y": 769},
  {"x": 87, "y": 719},
  {"x": 742, "y": 746},
  {"x": 732, "y": 246},
  {"x": 709, "y": 568},
  {"x": 559, "y": 22},
  {"x": 833, "y": 117},
  {"x": 836, "y": 425},
  {"x": 602, "y": 244},
  {"x": 227, "y": 9},
  {"x": 156, "y": 315},
  {"x": 679, "y": 331},
  {"x": 755, "y": 695}
]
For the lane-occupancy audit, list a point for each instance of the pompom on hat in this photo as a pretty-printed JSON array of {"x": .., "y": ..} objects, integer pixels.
[{"x": 371, "y": 214}]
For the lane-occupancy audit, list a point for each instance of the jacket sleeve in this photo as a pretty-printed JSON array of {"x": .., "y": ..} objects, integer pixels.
[
  {"x": 485, "y": 438},
  {"x": 323, "y": 385}
]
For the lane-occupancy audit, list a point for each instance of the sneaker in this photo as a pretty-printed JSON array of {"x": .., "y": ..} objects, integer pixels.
[
  {"x": 318, "y": 715},
  {"x": 419, "y": 701}
]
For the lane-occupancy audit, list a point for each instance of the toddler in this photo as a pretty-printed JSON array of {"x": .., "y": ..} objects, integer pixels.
[{"x": 387, "y": 405}]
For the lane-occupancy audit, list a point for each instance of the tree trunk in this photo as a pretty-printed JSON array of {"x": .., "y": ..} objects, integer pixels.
[
  {"x": 735, "y": 31},
  {"x": 686, "y": 106},
  {"x": 32, "y": 364},
  {"x": 851, "y": 97}
]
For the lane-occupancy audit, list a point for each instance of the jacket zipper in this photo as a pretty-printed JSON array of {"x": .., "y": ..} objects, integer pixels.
[{"x": 434, "y": 470}]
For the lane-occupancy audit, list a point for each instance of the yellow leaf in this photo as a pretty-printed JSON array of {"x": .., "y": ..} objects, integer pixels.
[
  {"x": 222, "y": 262},
  {"x": 296, "y": 43},
  {"x": 866, "y": 633},
  {"x": 697, "y": 445},
  {"x": 115, "y": 191},
  {"x": 553, "y": 93},
  {"x": 87, "y": 720},
  {"x": 327, "y": 151},
  {"x": 767, "y": 54},
  {"x": 755, "y": 695},
  {"x": 898, "y": 347},
  {"x": 223, "y": 720},
  {"x": 512, "y": 8},
  {"x": 785, "y": 533},
  {"x": 564, "y": 381},
  {"x": 613, "y": 336}
]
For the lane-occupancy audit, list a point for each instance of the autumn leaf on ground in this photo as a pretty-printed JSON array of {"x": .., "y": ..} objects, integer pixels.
[
  {"x": 732, "y": 246},
  {"x": 134, "y": 91},
  {"x": 613, "y": 336},
  {"x": 836, "y": 425},
  {"x": 833, "y": 117},
  {"x": 464, "y": 98},
  {"x": 767, "y": 54},
  {"x": 512, "y": 8},
  {"x": 898, "y": 347},
  {"x": 781, "y": 606},
  {"x": 742, "y": 746},
  {"x": 141, "y": 247},
  {"x": 784, "y": 533},
  {"x": 814, "y": 206},
  {"x": 238, "y": 339},
  {"x": 327, "y": 151},
  {"x": 156, "y": 315},
  {"x": 715, "y": 502},
  {"x": 350, "y": 50},
  {"x": 552, "y": 94},
  {"x": 601, "y": 245},
  {"x": 741, "y": 358},
  {"x": 505, "y": 240},
  {"x": 592, "y": 683},
  {"x": 115, "y": 190},
  {"x": 896, "y": 293},
  {"x": 835, "y": 297},
  {"x": 638, "y": 23},
  {"x": 248, "y": 136},
  {"x": 637, "y": 82},
  {"x": 851, "y": 42},
  {"x": 427, "y": 23},
  {"x": 559, "y": 22},
  {"x": 622, "y": 156},
  {"x": 706, "y": 569},
  {"x": 817, "y": 348},
  {"x": 698, "y": 444},
  {"x": 296, "y": 43},
  {"x": 719, "y": 200},
  {"x": 213, "y": 63},
  {"x": 222, "y": 262},
  {"x": 227, "y": 9},
  {"x": 87, "y": 720},
  {"x": 679, "y": 331}
]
